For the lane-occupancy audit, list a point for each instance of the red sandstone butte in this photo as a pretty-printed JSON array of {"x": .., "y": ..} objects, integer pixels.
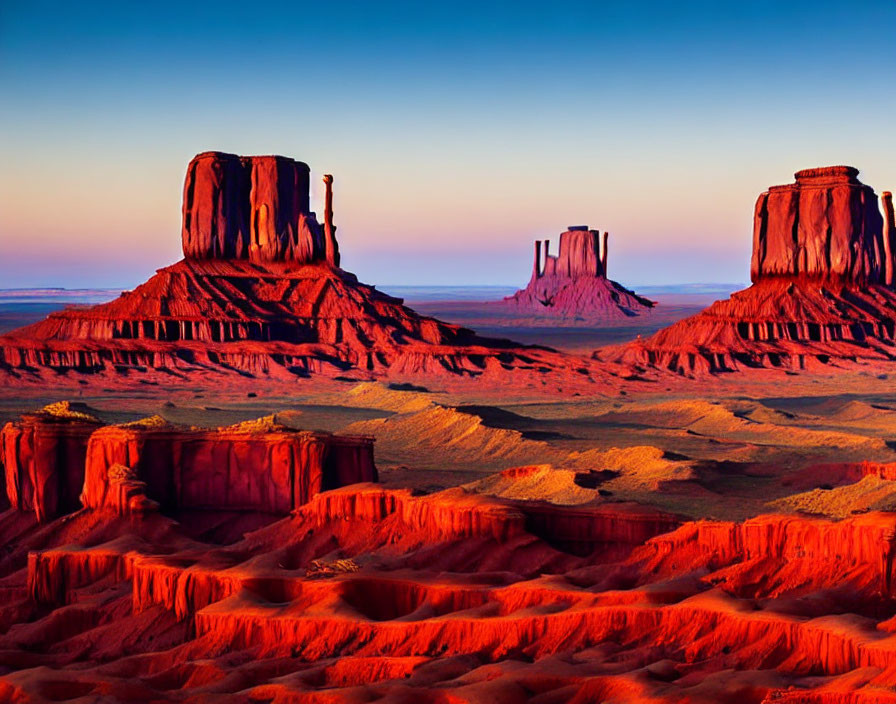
[
  {"x": 260, "y": 294},
  {"x": 254, "y": 208},
  {"x": 573, "y": 285},
  {"x": 822, "y": 293}
]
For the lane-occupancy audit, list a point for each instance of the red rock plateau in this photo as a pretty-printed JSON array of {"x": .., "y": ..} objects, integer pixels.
[
  {"x": 573, "y": 285},
  {"x": 259, "y": 294},
  {"x": 823, "y": 287}
]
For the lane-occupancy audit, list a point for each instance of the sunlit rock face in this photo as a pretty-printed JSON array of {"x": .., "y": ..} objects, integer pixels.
[
  {"x": 57, "y": 460},
  {"x": 250, "y": 207},
  {"x": 43, "y": 455}
]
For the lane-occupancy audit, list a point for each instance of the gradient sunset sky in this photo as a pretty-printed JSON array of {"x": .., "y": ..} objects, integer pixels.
[{"x": 457, "y": 132}]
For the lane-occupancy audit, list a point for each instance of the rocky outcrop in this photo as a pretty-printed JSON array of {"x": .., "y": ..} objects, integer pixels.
[
  {"x": 43, "y": 458},
  {"x": 573, "y": 285},
  {"x": 59, "y": 459},
  {"x": 822, "y": 294},
  {"x": 260, "y": 294},
  {"x": 255, "y": 208},
  {"x": 126, "y": 493},
  {"x": 256, "y": 467}
]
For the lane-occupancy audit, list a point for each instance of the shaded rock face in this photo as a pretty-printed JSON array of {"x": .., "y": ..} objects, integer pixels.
[
  {"x": 578, "y": 257},
  {"x": 825, "y": 225},
  {"x": 271, "y": 472},
  {"x": 822, "y": 295},
  {"x": 574, "y": 284},
  {"x": 255, "y": 208}
]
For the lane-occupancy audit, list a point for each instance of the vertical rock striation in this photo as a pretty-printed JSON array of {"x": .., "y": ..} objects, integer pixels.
[
  {"x": 889, "y": 237},
  {"x": 825, "y": 225},
  {"x": 255, "y": 208},
  {"x": 43, "y": 456},
  {"x": 57, "y": 460},
  {"x": 251, "y": 468}
]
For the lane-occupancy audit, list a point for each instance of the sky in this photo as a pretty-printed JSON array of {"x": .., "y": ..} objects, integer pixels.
[{"x": 457, "y": 132}]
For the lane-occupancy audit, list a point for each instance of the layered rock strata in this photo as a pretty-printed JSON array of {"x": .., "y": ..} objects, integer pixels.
[
  {"x": 259, "y": 293},
  {"x": 822, "y": 293},
  {"x": 271, "y": 470},
  {"x": 366, "y": 593},
  {"x": 573, "y": 284}
]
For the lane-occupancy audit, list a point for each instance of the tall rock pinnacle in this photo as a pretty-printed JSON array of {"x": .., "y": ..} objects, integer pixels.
[
  {"x": 331, "y": 247},
  {"x": 889, "y": 236}
]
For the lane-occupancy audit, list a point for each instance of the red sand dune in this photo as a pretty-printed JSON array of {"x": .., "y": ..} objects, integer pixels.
[{"x": 823, "y": 287}]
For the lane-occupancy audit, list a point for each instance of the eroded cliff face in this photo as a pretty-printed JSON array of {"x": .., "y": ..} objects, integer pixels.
[
  {"x": 574, "y": 284},
  {"x": 370, "y": 593},
  {"x": 43, "y": 459},
  {"x": 271, "y": 472},
  {"x": 826, "y": 225},
  {"x": 55, "y": 463},
  {"x": 255, "y": 208},
  {"x": 823, "y": 295}
]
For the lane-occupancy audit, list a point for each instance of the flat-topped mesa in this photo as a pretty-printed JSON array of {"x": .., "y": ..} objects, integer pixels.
[
  {"x": 255, "y": 208},
  {"x": 580, "y": 255},
  {"x": 256, "y": 466},
  {"x": 59, "y": 458},
  {"x": 825, "y": 225}
]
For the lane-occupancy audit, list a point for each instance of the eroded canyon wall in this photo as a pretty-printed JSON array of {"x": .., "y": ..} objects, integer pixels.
[
  {"x": 54, "y": 465},
  {"x": 43, "y": 459},
  {"x": 273, "y": 472}
]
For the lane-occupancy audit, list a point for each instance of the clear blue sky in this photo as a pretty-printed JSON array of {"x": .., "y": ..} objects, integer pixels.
[{"x": 457, "y": 132}]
